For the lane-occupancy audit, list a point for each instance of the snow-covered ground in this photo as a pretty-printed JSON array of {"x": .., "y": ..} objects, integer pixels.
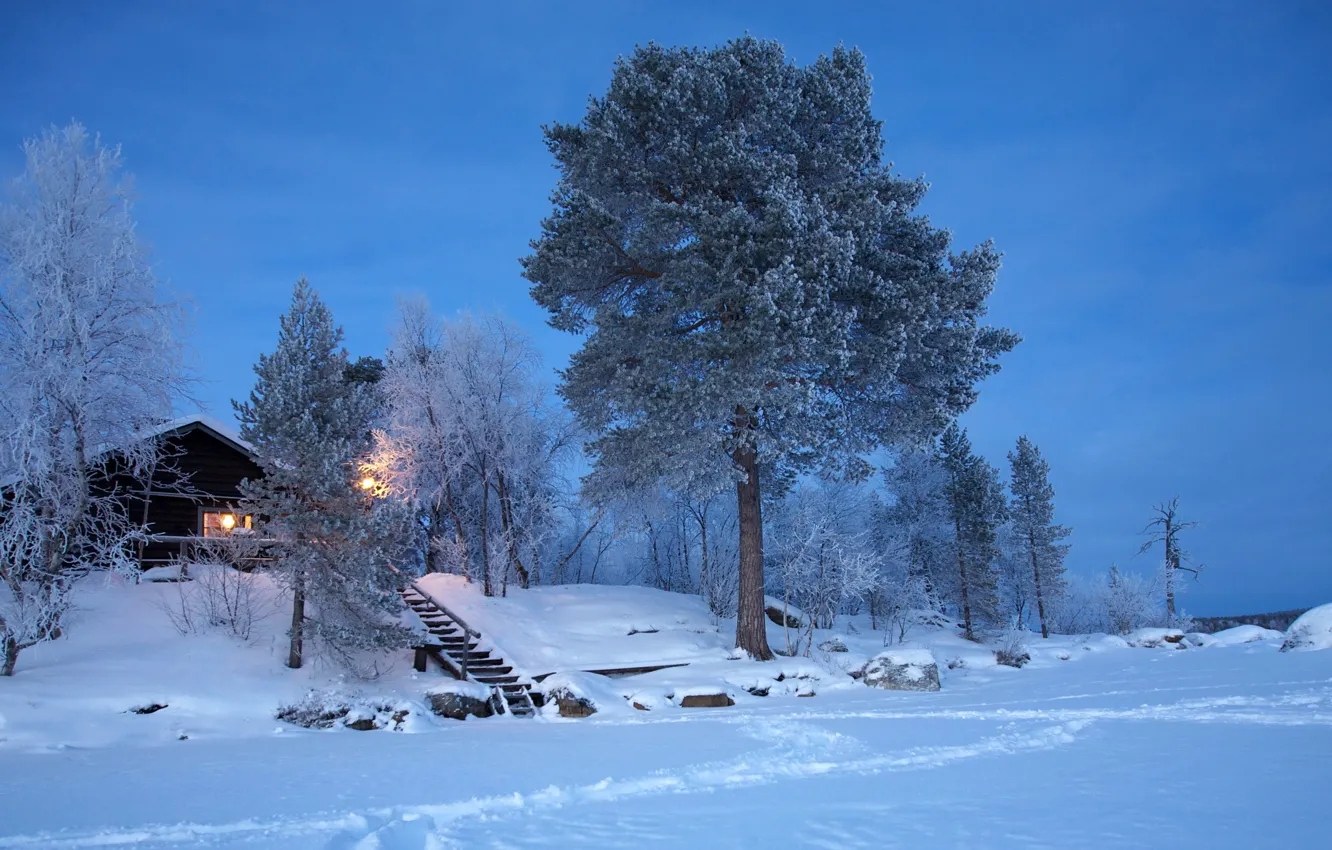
[{"x": 1226, "y": 745}]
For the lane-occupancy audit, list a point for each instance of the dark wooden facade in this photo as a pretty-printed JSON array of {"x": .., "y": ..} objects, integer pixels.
[{"x": 200, "y": 473}]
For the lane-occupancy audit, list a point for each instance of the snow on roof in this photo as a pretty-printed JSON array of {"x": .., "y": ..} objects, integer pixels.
[{"x": 182, "y": 423}]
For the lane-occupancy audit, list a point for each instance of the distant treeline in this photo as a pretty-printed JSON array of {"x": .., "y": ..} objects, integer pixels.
[{"x": 1279, "y": 620}]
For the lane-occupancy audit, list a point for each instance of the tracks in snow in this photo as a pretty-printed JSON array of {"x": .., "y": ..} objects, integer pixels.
[{"x": 793, "y": 747}]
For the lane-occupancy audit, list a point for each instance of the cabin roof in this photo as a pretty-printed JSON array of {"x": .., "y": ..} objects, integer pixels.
[{"x": 200, "y": 422}]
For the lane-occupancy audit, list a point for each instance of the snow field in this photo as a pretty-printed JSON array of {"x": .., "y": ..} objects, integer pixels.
[{"x": 1093, "y": 743}]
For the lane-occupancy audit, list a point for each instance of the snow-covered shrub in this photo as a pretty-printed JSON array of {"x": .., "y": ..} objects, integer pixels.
[
  {"x": 326, "y": 709},
  {"x": 219, "y": 597},
  {"x": 1012, "y": 649},
  {"x": 316, "y": 710},
  {"x": 1115, "y": 603}
]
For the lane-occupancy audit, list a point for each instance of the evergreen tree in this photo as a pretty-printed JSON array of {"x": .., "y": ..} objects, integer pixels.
[
  {"x": 756, "y": 287},
  {"x": 977, "y": 509},
  {"x": 308, "y": 419},
  {"x": 1034, "y": 530}
]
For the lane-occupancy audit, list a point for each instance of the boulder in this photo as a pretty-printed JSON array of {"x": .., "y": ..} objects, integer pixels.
[
  {"x": 572, "y": 706},
  {"x": 1150, "y": 638},
  {"x": 783, "y": 615},
  {"x": 706, "y": 701},
  {"x": 459, "y": 706},
  {"x": 570, "y": 703},
  {"x": 902, "y": 670},
  {"x": 361, "y": 724},
  {"x": 1313, "y": 630}
]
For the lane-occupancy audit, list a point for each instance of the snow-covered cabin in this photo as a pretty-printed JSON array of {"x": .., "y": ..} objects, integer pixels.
[{"x": 195, "y": 492}]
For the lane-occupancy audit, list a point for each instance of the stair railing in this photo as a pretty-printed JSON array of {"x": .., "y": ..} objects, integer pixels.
[{"x": 468, "y": 631}]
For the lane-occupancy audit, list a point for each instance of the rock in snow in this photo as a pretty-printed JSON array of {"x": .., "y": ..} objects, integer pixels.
[
  {"x": 782, "y": 614},
  {"x": 706, "y": 701},
  {"x": 902, "y": 670},
  {"x": 1313, "y": 630},
  {"x": 1152, "y": 638},
  {"x": 460, "y": 700}
]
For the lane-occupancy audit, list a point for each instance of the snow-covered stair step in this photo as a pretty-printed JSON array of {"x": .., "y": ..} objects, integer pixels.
[{"x": 454, "y": 644}]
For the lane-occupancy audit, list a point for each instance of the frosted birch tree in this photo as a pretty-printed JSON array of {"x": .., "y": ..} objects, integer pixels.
[
  {"x": 914, "y": 527},
  {"x": 338, "y": 549},
  {"x": 758, "y": 294},
  {"x": 823, "y": 554},
  {"x": 473, "y": 444},
  {"x": 89, "y": 358}
]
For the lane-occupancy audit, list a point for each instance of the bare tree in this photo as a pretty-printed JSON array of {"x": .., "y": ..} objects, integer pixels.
[
  {"x": 89, "y": 362},
  {"x": 473, "y": 445},
  {"x": 1165, "y": 528}
]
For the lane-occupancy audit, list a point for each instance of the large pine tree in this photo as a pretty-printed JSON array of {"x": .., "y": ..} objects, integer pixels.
[
  {"x": 977, "y": 509},
  {"x": 309, "y": 420},
  {"x": 1036, "y": 535},
  {"x": 755, "y": 285}
]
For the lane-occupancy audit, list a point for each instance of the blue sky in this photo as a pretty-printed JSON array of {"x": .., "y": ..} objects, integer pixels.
[{"x": 1157, "y": 174}]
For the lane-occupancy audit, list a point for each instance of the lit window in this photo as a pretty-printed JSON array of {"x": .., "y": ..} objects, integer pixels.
[{"x": 220, "y": 523}]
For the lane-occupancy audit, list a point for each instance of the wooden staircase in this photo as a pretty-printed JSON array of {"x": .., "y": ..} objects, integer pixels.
[{"x": 455, "y": 647}]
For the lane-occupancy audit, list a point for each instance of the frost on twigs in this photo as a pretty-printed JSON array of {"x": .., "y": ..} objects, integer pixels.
[
  {"x": 1012, "y": 650},
  {"x": 89, "y": 361},
  {"x": 219, "y": 597}
]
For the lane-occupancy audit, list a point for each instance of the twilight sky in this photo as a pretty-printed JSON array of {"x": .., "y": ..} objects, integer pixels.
[{"x": 1159, "y": 176}]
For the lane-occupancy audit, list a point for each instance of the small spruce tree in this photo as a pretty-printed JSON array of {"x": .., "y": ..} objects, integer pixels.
[
  {"x": 308, "y": 419},
  {"x": 977, "y": 509},
  {"x": 1034, "y": 531}
]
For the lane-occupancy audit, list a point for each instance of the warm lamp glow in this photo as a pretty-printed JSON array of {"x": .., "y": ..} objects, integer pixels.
[
  {"x": 228, "y": 521},
  {"x": 367, "y": 483}
]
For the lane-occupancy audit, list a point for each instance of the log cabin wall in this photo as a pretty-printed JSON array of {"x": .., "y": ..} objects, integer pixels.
[{"x": 200, "y": 470}]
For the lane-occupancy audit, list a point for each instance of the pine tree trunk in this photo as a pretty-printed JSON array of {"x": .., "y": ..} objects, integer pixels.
[
  {"x": 9, "y": 656},
  {"x": 1036, "y": 577},
  {"x": 751, "y": 631},
  {"x": 294, "y": 657},
  {"x": 962, "y": 576}
]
